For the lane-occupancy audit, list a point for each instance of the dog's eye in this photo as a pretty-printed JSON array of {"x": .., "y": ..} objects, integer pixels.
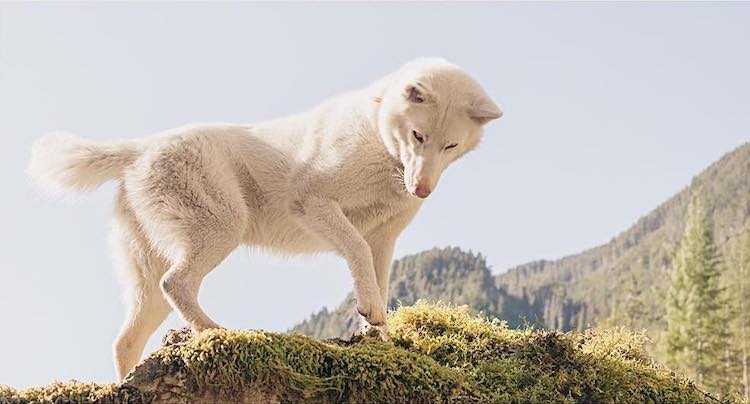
[
  {"x": 415, "y": 96},
  {"x": 418, "y": 136},
  {"x": 450, "y": 146}
]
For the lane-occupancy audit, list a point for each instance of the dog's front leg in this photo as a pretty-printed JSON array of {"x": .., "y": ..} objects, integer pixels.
[
  {"x": 381, "y": 244},
  {"x": 382, "y": 255},
  {"x": 325, "y": 219},
  {"x": 382, "y": 241}
]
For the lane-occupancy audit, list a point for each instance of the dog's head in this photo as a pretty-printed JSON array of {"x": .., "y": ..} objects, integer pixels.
[{"x": 432, "y": 113}]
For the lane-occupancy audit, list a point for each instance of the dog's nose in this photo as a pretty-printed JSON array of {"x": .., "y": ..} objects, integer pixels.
[{"x": 422, "y": 191}]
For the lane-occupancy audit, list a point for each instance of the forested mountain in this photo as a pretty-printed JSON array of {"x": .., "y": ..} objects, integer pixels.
[
  {"x": 622, "y": 282},
  {"x": 449, "y": 275}
]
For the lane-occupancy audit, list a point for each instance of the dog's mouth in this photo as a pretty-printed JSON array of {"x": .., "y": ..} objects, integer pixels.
[
  {"x": 411, "y": 190},
  {"x": 399, "y": 177},
  {"x": 405, "y": 189},
  {"x": 405, "y": 186}
]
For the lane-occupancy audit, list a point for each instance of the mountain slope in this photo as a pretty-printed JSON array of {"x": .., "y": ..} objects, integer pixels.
[
  {"x": 606, "y": 282},
  {"x": 621, "y": 282},
  {"x": 449, "y": 275}
]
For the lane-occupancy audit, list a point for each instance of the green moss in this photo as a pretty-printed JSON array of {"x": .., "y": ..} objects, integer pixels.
[
  {"x": 437, "y": 353},
  {"x": 296, "y": 367},
  {"x": 71, "y": 392},
  {"x": 531, "y": 365}
]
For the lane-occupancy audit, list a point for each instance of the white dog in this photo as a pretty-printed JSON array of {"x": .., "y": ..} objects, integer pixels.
[{"x": 346, "y": 176}]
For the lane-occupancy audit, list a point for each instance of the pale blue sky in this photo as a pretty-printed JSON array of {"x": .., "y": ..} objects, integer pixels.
[{"x": 609, "y": 110}]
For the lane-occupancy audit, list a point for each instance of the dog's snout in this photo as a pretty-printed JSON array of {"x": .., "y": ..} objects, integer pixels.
[{"x": 422, "y": 190}]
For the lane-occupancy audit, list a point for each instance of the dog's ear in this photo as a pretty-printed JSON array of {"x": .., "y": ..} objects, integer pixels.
[
  {"x": 415, "y": 92},
  {"x": 483, "y": 110}
]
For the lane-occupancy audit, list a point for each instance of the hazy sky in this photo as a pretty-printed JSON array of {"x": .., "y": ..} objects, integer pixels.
[{"x": 609, "y": 110}]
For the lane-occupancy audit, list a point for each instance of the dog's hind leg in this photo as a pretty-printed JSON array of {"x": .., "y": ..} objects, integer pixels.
[
  {"x": 147, "y": 311},
  {"x": 190, "y": 206},
  {"x": 180, "y": 284},
  {"x": 147, "y": 308}
]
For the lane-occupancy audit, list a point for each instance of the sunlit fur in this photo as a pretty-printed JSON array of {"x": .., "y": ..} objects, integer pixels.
[{"x": 340, "y": 177}]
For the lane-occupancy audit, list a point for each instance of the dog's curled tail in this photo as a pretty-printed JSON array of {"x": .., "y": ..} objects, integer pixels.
[{"x": 61, "y": 162}]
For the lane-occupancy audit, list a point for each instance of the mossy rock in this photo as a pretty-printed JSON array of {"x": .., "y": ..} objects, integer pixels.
[{"x": 437, "y": 353}]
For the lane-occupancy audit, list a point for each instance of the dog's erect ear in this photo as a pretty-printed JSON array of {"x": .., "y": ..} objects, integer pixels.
[
  {"x": 415, "y": 92},
  {"x": 484, "y": 110}
]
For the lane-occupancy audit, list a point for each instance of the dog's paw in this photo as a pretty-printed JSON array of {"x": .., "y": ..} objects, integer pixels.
[
  {"x": 371, "y": 308},
  {"x": 198, "y": 327},
  {"x": 374, "y": 317},
  {"x": 365, "y": 329},
  {"x": 362, "y": 328}
]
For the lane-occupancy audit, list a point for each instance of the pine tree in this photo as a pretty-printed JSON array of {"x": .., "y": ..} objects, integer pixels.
[
  {"x": 738, "y": 286},
  {"x": 696, "y": 320}
]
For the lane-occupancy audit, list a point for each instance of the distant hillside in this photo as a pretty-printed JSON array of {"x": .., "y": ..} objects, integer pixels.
[
  {"x": 449, "y": 275},
  {"x": 625, "y": 279},
  {"x": 621, "y": 282}
]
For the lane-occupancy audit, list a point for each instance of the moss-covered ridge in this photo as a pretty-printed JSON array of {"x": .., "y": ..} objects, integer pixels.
[{"x": 437, "y": 353}]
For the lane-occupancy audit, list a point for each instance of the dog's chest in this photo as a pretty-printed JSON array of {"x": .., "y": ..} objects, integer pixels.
[
  {"x": 369, "y": 215},
  {"x": 375, "y": 199}
]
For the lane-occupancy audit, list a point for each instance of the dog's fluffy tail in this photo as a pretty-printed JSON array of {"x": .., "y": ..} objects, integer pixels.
[{"x": 62, "y": 162}]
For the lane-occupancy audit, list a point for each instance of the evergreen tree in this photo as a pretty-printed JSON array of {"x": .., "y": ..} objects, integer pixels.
[
  {"x": 738, "y": 286},
  {"x": 696, "y": 320}
]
